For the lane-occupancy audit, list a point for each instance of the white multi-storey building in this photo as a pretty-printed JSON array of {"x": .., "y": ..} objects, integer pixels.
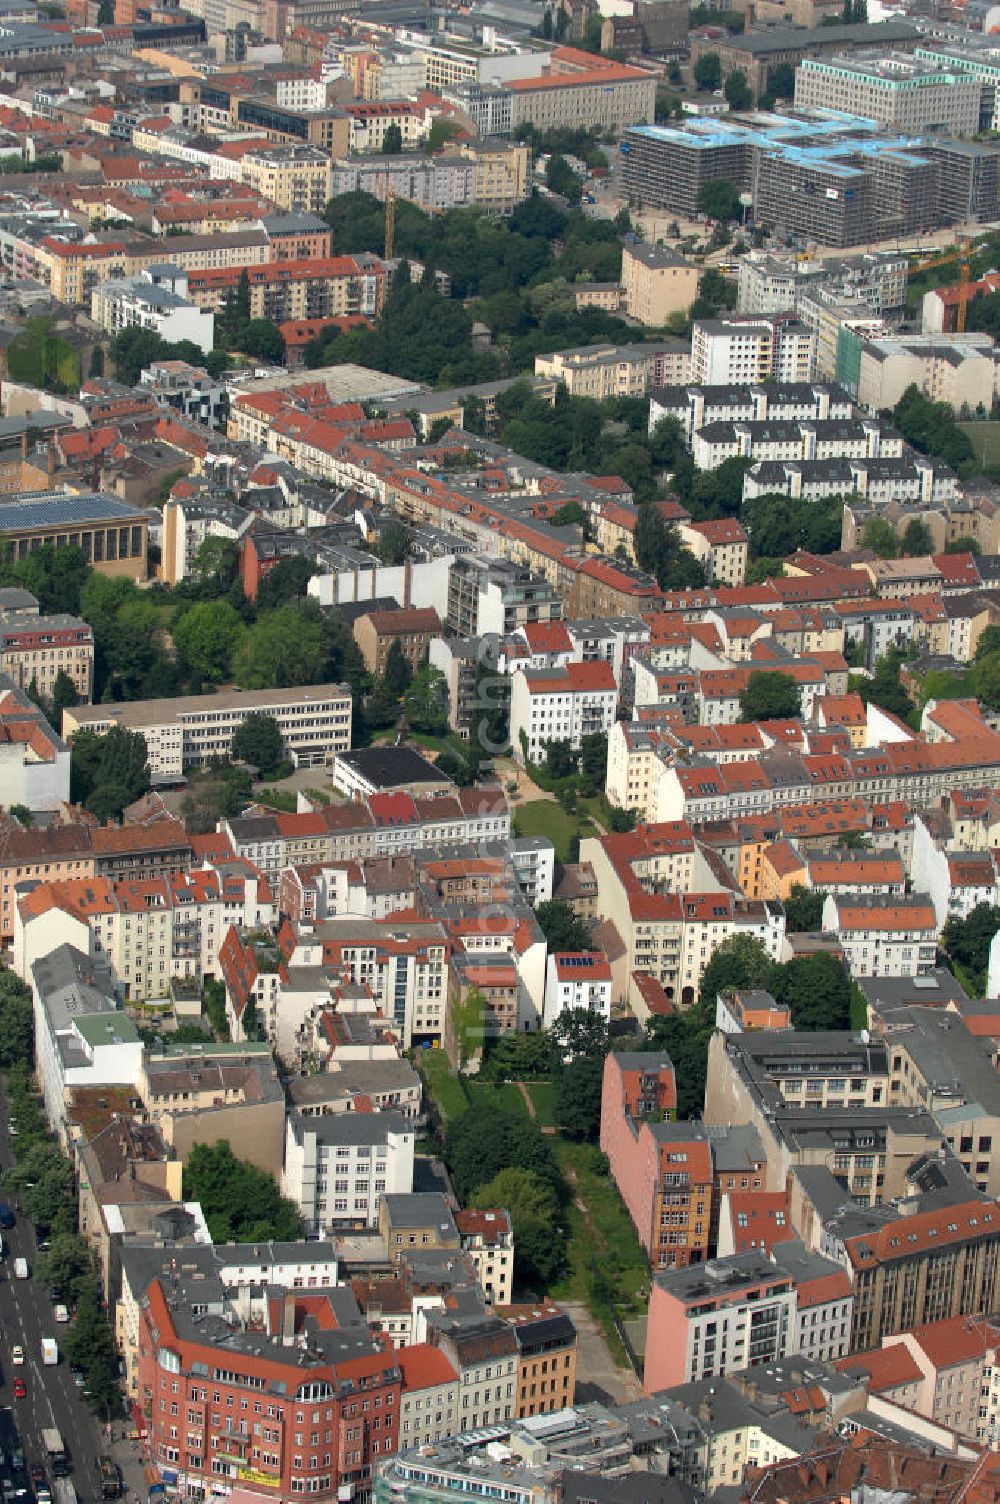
[
  {"x": 563, "y": 704},
  {"x": 339, "y": 1166}
]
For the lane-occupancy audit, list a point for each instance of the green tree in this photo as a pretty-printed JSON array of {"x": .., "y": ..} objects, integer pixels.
[
  {"x": 770, "y": 696},
  {"x": 533, "y": 1206},
  {"x": 885, "y": 687},
  {"x": 707, "y": 71},
  {"x": 64, "y": 696},
  {"x": 90, "y": 1346},
  {"x": 207, "y": 636},
  {"x": 562, "y": 928},
  {"x": 66, "y": 1264},
  {"x": 719, "y": 200},
  {"x": 118, "y": 760},
  {"x": 561, "y": 179},
  {"x": 441, "y": 132},
  {"x": 392, "y": 141},
  {"x": 880, "y": 536},
  {"x": 486, "y": 1139},
  {"x": 395, "y": 544},
  {"x": 781, "y": 81},
  {"x": 283, "y": 649},
  {"x": 967, "y": 943},
  {"x": 578, "y": 1098},
  {"x": 216, "y": 564},
  {"x": 285, "y": 583},
  {"x": 738, "y": 962},
  {"x": 931, "y": 427},
  {"x": 468, "y": 1018},
  {"x": 425, "y": 703},
  {"x": 739, "y": 95},
  {"x": 240, "y": 1202},
  {"x": 804, "y": 909},
  {"x": 989, "y": 642},
  {"x": 593, "y": 763},
  {"x": 561, "y": 760},
  {"x": 398, "y": 673},
  {"x": 917, "y": 540},
  {"x": 44, "y": 1179},
  {"x": 258, "y": 740},
  {"x": 17, "y": 1033},
  {"x": 817, "y": 990}
]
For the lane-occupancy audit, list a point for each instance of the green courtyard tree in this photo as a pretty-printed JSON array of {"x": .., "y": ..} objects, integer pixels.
[
  {"x": 240, "y": 1202},
  {"x": 207, "y": 637},
  {"x": 739, "y": 95},
  {"x": 563, "y": 930},
  {"x": 533, "y": 1205},
  {"x": 707, "y": 71},
  {"x": 719, "y": 200},
  {"x": 770, "y": 696},
  {"x": 258, "y": 740},
  {"x": 398, "y": 673}
]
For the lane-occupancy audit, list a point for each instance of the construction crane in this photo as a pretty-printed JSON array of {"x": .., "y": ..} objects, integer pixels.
[
  {"x": 964, "y": 250},
  {"x": 390, "y": 220}
]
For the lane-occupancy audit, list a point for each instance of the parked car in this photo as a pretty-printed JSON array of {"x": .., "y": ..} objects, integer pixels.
[{"x": 7, "y": 1218}]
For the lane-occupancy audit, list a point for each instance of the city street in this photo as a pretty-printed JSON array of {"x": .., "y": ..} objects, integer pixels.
[{"x": 26, "y": 1316}]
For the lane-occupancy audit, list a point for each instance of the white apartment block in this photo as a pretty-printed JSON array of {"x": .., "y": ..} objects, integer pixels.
[
  {"x": 314, "y": 720},
  {"x": 577, "y": 979},
  {"x": 735, "y": 352},
  {"x": 884, "y": 937},
  {"x": 560, "y": 705},
  {"x": 338, "y": 1167}
]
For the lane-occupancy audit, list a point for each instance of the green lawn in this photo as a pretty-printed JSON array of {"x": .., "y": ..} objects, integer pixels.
[
  {"x": 607, "y": 1264},
  {"x": 497, "y": 1094},
  {"x": 985, "y": 438},
  {"x": 445, "y": 1087},
  {"x": 543, "y": 817},
  {"x": 543, "y": 1094}
]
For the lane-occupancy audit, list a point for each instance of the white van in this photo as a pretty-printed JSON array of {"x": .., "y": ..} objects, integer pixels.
[{"x": 20, "y": 1268}]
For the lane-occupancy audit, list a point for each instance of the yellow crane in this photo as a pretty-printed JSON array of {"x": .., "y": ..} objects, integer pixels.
[{"x": 962, "y": 250}]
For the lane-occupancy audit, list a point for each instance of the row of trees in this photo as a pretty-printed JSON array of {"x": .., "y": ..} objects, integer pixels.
[{"x": 43, "y": 1179}]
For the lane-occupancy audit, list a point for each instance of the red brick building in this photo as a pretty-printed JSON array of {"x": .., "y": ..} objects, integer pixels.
[
  {"x": 663, "y": 1170},
  {"x": 277, "y": 1402}
]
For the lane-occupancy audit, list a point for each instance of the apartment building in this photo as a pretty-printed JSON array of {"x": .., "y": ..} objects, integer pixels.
[
  {"x": 75, "y": 269},
  {"x": 900, "y": 92},
  {"x": 338, "y": 1167},
  {"x": 488, "y": 1240},
  {"x": 735, "y": 352},
  {"x": 716, "y": 1318},
  {"x": 247, "y": 1352},
  {"x": 959, "y": 369},
  {"x": 151, "y": 929},
  {"x": 34, "y": 761},
  {"x": 657, "y": 282},
  {"x": 429, "y": 1401},
  {"x": 580, "y": 88},
  {"x": 297, "y": 178},
  {"x": 315, "y": 724},
  {"x": 721, "y": 546},
  {"x": 37, "y": 649},
  {"x": 564, "y": 704},
  {"x": 577, "y": 979},
  {"x": 605, "y": 371},
  {"x": 412, "y": 628},
  {"x": 546, "y": 1357},
  {"x": 895, "y": 937},
  {"x": 294, "y": 290},
  {"x": 925, "y": 1267}
]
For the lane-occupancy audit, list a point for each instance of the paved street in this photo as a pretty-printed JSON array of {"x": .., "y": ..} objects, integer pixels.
[{"x": 26, "y": 1316}]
